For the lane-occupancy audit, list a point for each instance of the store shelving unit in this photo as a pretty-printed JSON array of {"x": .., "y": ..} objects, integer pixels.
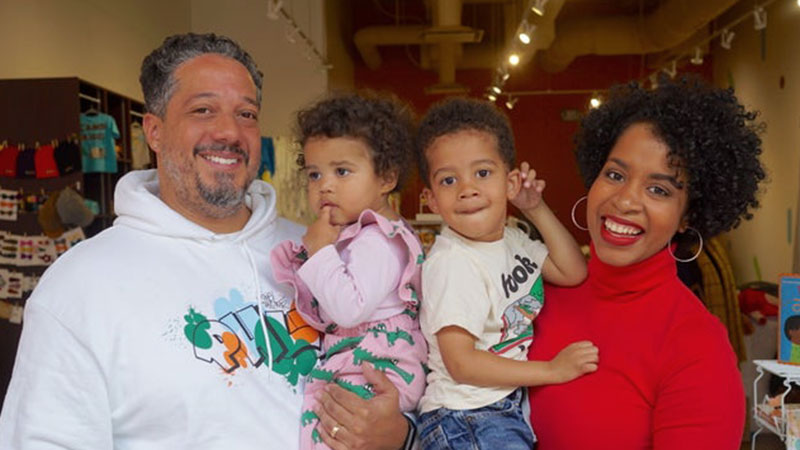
[{"x": 791, "y": 375}]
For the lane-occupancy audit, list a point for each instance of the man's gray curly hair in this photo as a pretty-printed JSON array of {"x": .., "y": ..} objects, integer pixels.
[{"x": 158, "y": 68}]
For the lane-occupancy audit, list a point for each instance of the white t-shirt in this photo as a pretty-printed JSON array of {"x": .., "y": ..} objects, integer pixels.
[{"x": 493, "y": 290}]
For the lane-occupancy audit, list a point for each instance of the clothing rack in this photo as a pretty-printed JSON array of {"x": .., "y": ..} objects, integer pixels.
[{"x": 89, "y": 97}]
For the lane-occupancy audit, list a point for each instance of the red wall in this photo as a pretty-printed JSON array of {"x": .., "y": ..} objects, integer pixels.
[{"x": 542, "y": 137}]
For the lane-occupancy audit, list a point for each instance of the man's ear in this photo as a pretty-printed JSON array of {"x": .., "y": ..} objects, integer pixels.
[
  {"x": 431, "y": 199},
  {"x": 513, "y": 183},
  {"x": 152, "y": 125}
]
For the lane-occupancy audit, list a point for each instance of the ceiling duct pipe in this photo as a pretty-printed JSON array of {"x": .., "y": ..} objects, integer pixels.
[
  {"x": 668, "y": 26},
  {"x": 446, "y": 34},
  {"x": 368, "y": 39}
]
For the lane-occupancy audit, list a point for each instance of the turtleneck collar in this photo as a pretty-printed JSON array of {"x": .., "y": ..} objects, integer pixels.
[{"x": 627, "y": 283}]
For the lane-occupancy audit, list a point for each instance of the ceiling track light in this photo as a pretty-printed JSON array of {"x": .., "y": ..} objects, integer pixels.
[
  {"x": 759, "y": 18},
  {"x": 538, "y": 7},
  {"x": 697, "y": 59},
  {"x": 672, "y": 69},
  {"x": 502, "y": 74},
  {"x": 513, "y": 59},
  {"x": 496, "y": 89},
  {"x": 511, "y": 102},
  {"x": 491, "y": 96},
  {"x": 654, "y": 81},
  {"x": 290, "y": 34},
  {"x": 595, "y": 101},
  {"x": 726, "y": 38},
  {"x": 273, "y": 8},
  {"x": 526, "y": 32}
]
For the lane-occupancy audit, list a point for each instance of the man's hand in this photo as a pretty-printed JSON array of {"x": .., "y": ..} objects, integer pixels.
[
  {"x": 574, "y": 360},
  {"x": 362, "y": 424},
  {"x": 530, "y": 195},
  {"x": 321, "y": 232}
]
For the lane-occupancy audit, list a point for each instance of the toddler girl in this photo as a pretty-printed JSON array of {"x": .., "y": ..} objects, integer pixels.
[{"x": 357, "y": 275}]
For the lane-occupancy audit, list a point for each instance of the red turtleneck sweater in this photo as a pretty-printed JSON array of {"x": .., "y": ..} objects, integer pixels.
[{"x": 667, "y": 377}]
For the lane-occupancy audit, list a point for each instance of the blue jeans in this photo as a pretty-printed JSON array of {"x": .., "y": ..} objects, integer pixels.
[{"x": 500, "y": 425}]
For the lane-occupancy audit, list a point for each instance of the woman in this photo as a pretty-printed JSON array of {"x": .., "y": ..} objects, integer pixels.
[{"x": 674, "y": 164}]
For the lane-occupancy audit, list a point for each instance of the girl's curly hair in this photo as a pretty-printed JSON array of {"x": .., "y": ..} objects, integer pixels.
[
  {"x": 382, "y": 121},
  {"x": 710, "y": 136}
]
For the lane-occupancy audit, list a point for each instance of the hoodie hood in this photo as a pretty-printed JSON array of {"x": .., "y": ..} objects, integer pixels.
[{"x": 138, "y": 205}]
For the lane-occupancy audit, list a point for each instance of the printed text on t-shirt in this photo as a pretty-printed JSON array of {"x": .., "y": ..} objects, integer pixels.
[{"x": 519, "y": 275}]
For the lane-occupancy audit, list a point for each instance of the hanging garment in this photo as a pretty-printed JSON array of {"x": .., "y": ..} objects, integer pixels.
[
  {"x": 719, "y": 292},
  {"x": 98, "y": 132},
  {"x": 8, "y": 161},
  {"x": 44, "y": 162},
  {"x": 26, "y": 163},
  {"x": 267, "y": 159},
  {"x": 68, "y": 157},
  {"x": 140, "y": 152}
]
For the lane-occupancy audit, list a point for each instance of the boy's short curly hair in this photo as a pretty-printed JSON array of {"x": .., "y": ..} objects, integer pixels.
[
  {"x": 710, "y": 136},
  {"x": 458, "y": 114},
  {"x": 381, "y": 120}
]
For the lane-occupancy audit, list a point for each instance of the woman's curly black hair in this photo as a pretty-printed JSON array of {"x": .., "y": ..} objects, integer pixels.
[
  {"x": 381, "y": 120},
  {"x": 710, "y": 136},
  {"x": 457, "y": 114}
]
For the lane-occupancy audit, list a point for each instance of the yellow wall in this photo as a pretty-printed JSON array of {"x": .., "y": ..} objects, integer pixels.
[
  {"x": 104, "y": 42},
  {"x": 756, "y": 82},
  {"x": 100, "y": 41},
  {"x": 291, "y": 79}
]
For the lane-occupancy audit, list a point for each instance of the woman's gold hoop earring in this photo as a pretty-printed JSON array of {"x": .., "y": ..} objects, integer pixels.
[
  {"x": 575, "y": 222},
  {"x": 699, "y": 237}
]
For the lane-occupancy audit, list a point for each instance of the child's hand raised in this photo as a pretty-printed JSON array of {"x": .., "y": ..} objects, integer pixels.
[
  {"x": 574, "y": 360},
  {"x": 321, "y": 233},
  {"x": 530, "y": 194}
]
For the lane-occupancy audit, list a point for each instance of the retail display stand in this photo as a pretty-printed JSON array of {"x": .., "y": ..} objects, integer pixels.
[
  {"x": 791, "y": 375},
  {"x": 34, "y": 111}
]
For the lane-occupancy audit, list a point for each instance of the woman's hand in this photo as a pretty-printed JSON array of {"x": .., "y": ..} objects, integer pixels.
[
  {"x": 530, "y": 194},
  {"x": 574, "y": 360},
  {"x": 362, "y": 424}
]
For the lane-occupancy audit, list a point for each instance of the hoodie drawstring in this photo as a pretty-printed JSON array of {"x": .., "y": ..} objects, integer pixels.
[{"x": 262, "y": 321}]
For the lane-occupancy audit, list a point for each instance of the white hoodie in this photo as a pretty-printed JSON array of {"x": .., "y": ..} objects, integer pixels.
[{"x": 144, "y": 337}]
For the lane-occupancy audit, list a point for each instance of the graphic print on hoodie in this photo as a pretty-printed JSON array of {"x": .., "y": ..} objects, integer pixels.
[{"x": 234, "y": 339}]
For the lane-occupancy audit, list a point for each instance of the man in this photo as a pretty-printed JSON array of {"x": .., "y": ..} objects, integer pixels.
[{"x": 167, "y": 330}]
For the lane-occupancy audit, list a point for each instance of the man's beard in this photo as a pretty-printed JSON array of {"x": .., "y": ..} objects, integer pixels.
[
  {"x": 219, "y": 200},
  {"x": 225, "y": 195}
]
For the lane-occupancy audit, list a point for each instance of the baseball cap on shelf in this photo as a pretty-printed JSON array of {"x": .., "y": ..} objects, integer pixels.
[{"x": 72, "y": 209}]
